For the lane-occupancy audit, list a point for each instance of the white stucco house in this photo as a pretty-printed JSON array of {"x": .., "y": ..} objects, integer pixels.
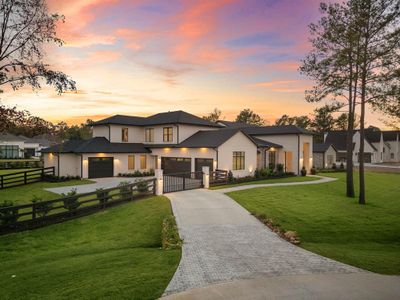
[
  {"x": 19, "y": 146},
  {"x": 380, "y": 146},
  {"x": 324, "y": 155},
  {"x": 180, "y": 142}
]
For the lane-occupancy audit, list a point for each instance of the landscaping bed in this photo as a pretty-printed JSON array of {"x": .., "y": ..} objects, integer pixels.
[
  {"x": 332, "y": 225},
  {"x": 114, "y": 254}
]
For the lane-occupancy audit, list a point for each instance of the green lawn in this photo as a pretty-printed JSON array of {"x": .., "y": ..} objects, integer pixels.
[
  {"x": 275, "y": 180},
  {"x": 335, "y": 226},
  {"x": 24, "y": 193},
  {"x": 114, "y": 254},
  {"x": 11, "y": 171}
]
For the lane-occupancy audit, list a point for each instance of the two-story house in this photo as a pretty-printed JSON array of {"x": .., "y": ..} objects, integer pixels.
[{"x": 180, "y": 142}]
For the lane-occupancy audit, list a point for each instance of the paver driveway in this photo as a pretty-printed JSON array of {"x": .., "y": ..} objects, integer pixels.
[{"x": 223, "y": 242}]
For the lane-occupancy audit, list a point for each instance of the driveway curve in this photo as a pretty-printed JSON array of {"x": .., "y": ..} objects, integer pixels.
[{"x": 223, "y": 242}]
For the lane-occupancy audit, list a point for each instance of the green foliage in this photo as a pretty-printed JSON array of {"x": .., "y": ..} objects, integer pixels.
[
  {"x": 142, "y": 187},
  {"x": 170, "y": 234},
  {"x": 247, "y": 116},
  {"x": 102, "y": 195},
  {"x": 8, "y": 216},
  {"x": 213, "y": 116},
  {"x": 70, "y": 202},
  {"x": 42, "y": 207},
  {"x": 125, "y": 189},
  {"x": 313, "y": 170},
  {"x": 230, "y": 176}
]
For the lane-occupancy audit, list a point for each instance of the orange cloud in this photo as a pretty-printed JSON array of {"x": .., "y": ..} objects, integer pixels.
[{"x": 283, "y": 86}]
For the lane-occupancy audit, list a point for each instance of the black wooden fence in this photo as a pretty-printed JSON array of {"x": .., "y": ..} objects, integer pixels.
[
  {"x": 38, "y": 214},
  {"x": 218, "y": 177},
  {"x": 24, "y": 177}
]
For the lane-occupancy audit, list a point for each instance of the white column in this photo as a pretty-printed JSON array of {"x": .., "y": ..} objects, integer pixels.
[
  {"x": 159, "y": 181},
  {"x": 206, "y": 177}
]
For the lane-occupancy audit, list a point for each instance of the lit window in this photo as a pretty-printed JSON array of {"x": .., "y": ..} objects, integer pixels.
[
  {"x": 149, "y": 135},
  {"x": 143, "y": 162},
  {"x": 167, "y": 134},
  {"x": 124, "y": 134},
  {"x": 271, "y": 159},
  {"x": 238, "y": 160},
  {"x": 131, "y": 162}
]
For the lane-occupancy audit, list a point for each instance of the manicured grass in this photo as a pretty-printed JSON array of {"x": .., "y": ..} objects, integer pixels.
[
  {"x": 114, "y": 254},
  {"x": 24, "y": 193},
  {"x": 274, "y": 180},
  {"x": 335, "y": 226}
]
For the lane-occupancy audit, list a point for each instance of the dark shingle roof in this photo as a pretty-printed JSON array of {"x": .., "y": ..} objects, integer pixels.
[
  {"x": 173, "y": 117},
  {"x": 338, "y": 139},
  {"x": 322, "y": 147},
  {"x": 209, "y": 138},
  {"x": 373, "y": 136},
  {"x": 96, "y": 145},
  {"x": 391, "y": 135},
  {"x": 234, "y": 124},
  {"x": 273, "y": 130},
  {"x": 8, "y": 137},
  {"x": 266, "y": 144}
]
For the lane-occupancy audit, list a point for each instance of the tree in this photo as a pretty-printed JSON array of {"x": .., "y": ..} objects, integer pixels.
[
  {"x": 378, "y": 24},
  {"x": 247, "y": 116},
  {"x": 323, "y": 119},
  {"x": 333, "y": 64},
  {"x": 300, "y": 121},
  {"x": 342, "y": 121},
  {"x": 25, "y": 27},
  {"x": 213, "y": 116}
]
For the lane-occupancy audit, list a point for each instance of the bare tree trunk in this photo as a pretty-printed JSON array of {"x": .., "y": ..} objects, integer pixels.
[
  {"x": 361, "y": 197},
  {"x": 349, "y": 139}
]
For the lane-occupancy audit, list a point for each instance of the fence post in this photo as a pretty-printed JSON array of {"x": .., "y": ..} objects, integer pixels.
[
  {"x": 1, "y": 181},
  {"x": 25, "y": 177},
  {"x": 33, "y": 210},
  {"x": 206, "y": 177},
  {"x": 159, "y": 182}
]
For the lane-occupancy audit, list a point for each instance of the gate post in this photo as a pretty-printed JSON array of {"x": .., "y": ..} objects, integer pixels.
[
  {"x": 206, "y": 177},
  {"x": 159, "y": 182}
]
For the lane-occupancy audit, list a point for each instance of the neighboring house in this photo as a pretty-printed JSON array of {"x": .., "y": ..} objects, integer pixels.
[
  {"x": 180, "y": 142},
  {"x": 13, "y": 146},
  {"x": 380, "y": 146},
  {"x": 324, "y": 155}
]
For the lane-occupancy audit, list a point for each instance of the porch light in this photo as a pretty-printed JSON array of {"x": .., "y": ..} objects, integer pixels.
[
  {"x": 203, "y": 149},
  {"x": 167, "y": 149},
  {"x": 184, "y": 149},
  {"x": 272, "y": 149}
]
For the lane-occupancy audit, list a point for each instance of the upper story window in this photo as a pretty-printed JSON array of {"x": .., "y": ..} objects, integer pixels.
[
  {"x": 124, "y": 134},
  {"x": 238, "y": 160},
  {"x": 167, "y": 134},
  {"x": 149, "y": 135}
]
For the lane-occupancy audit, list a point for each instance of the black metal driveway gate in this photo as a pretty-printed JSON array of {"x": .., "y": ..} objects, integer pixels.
[{"x": 182, "y": 181}]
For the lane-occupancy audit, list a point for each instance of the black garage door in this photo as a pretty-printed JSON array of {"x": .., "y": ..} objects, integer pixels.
[
  {"x": 171, "y": 165},
  {"x": 101, "y": 167},
  {"x": 203, "y": 162}
]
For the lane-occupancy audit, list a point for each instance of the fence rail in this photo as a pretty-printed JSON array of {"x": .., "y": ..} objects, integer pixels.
[
  {"x": 24, "y": 177},
  {"x": 38, "y": 214},
  {"x": 218, "y": 177}
]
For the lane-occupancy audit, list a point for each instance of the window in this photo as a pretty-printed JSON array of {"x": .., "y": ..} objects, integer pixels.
[
  {"x": 149, "y": 135},
  {"x": 167, "y": 134},
  {"x": 271, "y": 159},
  {"x": 131, "y": 162},
  {"x": 124, "y": 134},
  {"x": 238, "y": 160},
  {"x": 9, "y": 151},
  {"x": 143, "y": 162}
]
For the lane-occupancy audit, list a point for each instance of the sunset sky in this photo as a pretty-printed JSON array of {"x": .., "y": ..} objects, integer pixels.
[{"x": 143, "y": 57}]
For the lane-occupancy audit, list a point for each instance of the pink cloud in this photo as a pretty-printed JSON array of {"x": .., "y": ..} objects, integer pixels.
[{"x": 283, "y": 86}]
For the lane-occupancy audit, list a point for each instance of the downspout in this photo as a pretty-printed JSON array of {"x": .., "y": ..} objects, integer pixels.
[
  {"x": 109, "y": 133},
  {"x": 177, "y": 133},
  {"x": 216, "y": 151},
  {"x": 298, "y": 154},
  {"x": 58, "y": 164},
  {"x": 81, "y": 166}
]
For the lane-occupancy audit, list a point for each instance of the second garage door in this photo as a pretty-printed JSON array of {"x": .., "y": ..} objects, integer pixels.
[
  {"x": 171, "y": 165},
  {"x": 101, "y": 167}
]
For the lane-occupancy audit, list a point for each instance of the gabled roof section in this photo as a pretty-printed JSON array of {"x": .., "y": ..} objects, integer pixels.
[
  {"x": 322, "y": 147},
  {"x": 275, "y": 130},
  {"x": 96, "y": 145},
  {"x": 373, "y": 136},
  {"x": 208, "y": 138},
  {"x": 265, "y": 144},
  {"x": 337, "y": 138},
  {"x": 173, "y": 117},
  {"x": 8, "y": 137}
]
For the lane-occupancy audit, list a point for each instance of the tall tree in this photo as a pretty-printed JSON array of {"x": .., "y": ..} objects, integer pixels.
[
  {"x": 24, "y": 29},
  {"x": 378, "y": 23},
  {"x": 332, "y": 63},
  {"x": 213, "y": 116},
  {"x": 249, "y": 117},
  {"x": 300, "y": 121}
]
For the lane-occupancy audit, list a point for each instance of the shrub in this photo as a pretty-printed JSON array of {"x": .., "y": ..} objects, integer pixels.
[
  {"x": 230, "y": 176},
  {"x": 102, "y": 195},
  {"x": 42, "y": 207},
  {"x": 264, "y": 172},
  {"x": 341, "y": 166},
  {"x": 313, "y": 170},
  {"x": 125, "y": 190},
  {"x": 334, "y": 166},
  {"x": 303, "y": 171},
  {"x": 142, "y": 187},
  {"x": 71, "y": 202},
  {"x": 257, "y": 173},
  {"x": 279, "y": 168},
  {"x": 271, "y": 166},
  {"x": 8, "y": 216},
  {"x": 170, "y": 235}
]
